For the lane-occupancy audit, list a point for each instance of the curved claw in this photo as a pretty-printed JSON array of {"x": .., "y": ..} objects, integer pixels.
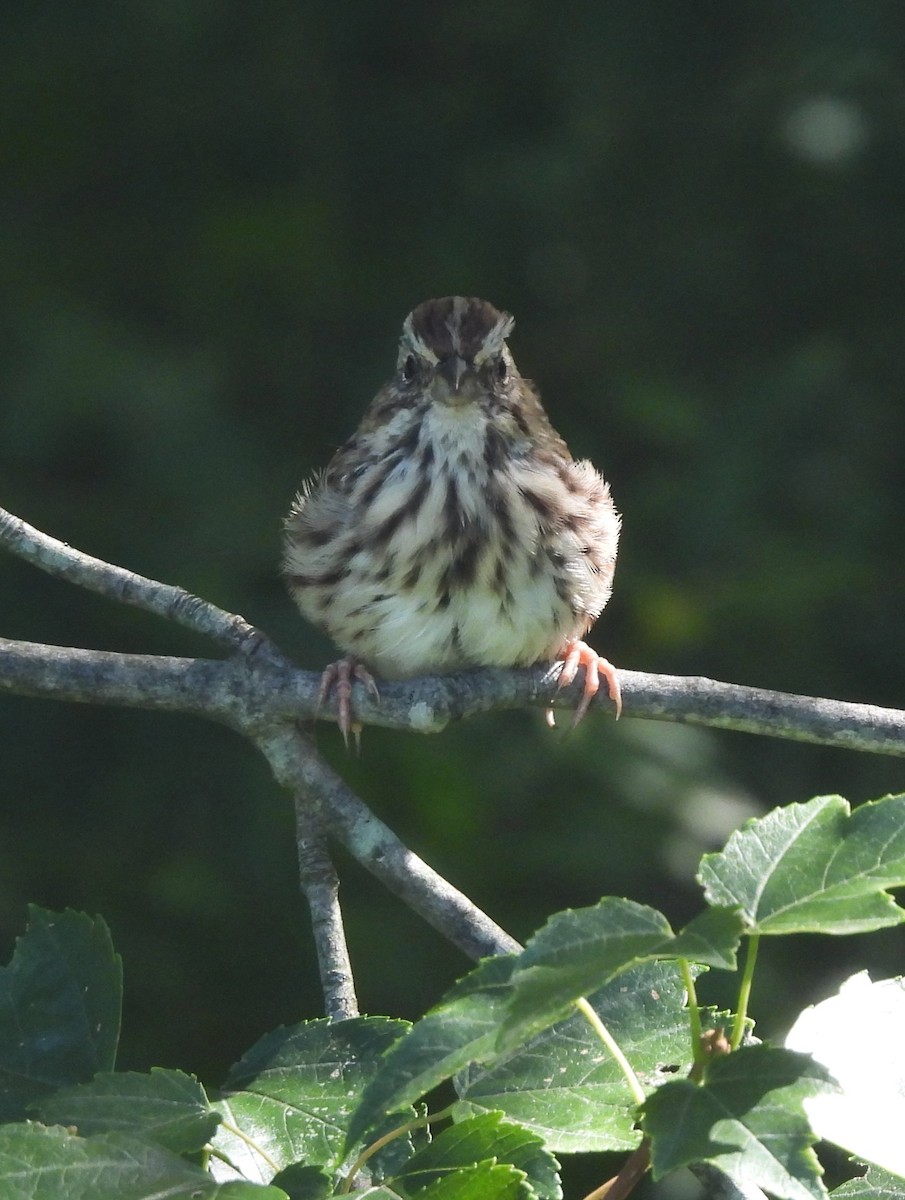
[
  {"x": 339, "y": 677},
  {"x": 579, "y": 654}
]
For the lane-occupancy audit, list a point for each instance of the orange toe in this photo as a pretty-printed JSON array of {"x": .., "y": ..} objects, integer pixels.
[
  {"x": 338, "y": 677},
  {"x": 579, "y": 654}
]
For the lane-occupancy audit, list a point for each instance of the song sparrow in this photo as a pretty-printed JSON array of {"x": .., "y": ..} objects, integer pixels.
[{"x": 454, "y": 529}]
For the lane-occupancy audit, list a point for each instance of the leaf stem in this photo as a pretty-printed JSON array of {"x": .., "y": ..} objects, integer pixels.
[
  {"x": 612, "y": 1045},
  {"x": 399, "y": 1131},
  {"x": 252, "y": 1145},
  {"x": 694, "y": 1012},
  {"x": 744, "y": 991}
]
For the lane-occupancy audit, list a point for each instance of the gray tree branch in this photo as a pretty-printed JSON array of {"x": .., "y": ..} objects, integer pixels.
[
  {"x": 235, "y": 692},
  {"x": 116, "y": 583},
  {"x": 259, "y": 692},
  {"x": 320, "y": 885},
  {"x": 377, "y": 848},
  {"x": 252, "y": 693},
  {"x": 275, "y": 689}
]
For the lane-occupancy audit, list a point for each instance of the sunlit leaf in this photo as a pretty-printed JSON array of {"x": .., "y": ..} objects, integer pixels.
[
  {"x": 485, "y": 1181},
  {"x": 747, "y": 1119},
  {"x": 875, "y": 1185},
  {"x": 579, "y": 950},
  {"x": 859, "y": 1036},
  {"x": 40, "y": 1163},
  {"x": 566, "y": 1086},
  {"x": 461, "y": 1029},
  {"x": 290, "y": 1097},
  {"x": 814, "y": 868},
  {"x": 487, "y": 1137}
]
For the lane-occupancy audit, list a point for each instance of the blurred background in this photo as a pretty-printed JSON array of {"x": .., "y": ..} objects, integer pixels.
[{"x": 213, "y": 219}]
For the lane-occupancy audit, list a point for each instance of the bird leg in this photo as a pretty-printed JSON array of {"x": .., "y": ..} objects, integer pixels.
[
  {"x": 339, "y": 677},
  {"x": 579, "y": 654}
]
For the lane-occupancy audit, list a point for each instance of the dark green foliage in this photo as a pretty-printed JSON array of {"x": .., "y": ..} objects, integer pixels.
[
  {"x": 213, "y": 224},
  {"x": 59, "y": 1008},
  {"x": 213, "y": 221},
  {"x": 589, "y": 1039}
]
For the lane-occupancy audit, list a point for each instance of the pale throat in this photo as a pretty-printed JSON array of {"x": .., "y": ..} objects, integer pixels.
[{"x": 457, "y": 435}]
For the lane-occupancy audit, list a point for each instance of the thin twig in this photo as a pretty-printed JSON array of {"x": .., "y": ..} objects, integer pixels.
[
  {"x": 116, "y": 583},
  {"x": 317, "y": 874},
  {"x": 320, "y": 885},
  {"x": 376, "y": 847}
]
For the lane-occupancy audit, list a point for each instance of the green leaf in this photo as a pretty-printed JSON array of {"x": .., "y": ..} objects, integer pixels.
[
  {"x": 584, "y": 1104},
  {"x": 37, "y": 1162},
  {"x": 814, "y": 867},
  {"x": 488, "y": 1137},
  {"x": 167, "y": 1107},
  {"x": 711, "y": 939},
  {"x": 747, "y": 1119},
  {"x": 59, "y": 1008},
  {"x": 485, "y": 1181},
  {"x": 875, "y": 1185},
  {"x": 379, "y": 1193},
  {"x": 867, "y": 1115},
  {"x": 566, "y": 1087},
  {"x": 579, "y": 950},
  {"x": 461, "y": 1029},
  {"x": 292, "y": 1094},
  {"x": 304, "y": 1183}
]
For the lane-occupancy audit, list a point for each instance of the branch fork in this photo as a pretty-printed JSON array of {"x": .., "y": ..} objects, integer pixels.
[{"x": 260, "y": 693}]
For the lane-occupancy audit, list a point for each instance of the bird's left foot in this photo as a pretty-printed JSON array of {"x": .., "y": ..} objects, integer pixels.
[
  {"x": 338, "y": 677},
  {"x": 579, "y": 654}
]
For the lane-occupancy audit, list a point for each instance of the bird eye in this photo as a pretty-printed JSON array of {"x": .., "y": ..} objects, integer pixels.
[
  {"x": 409, "y": 368},
  {"x": 502, "y": 370}
]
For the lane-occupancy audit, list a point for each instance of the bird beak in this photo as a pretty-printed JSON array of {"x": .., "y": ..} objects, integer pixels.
[{"x": 455, "y": 381}]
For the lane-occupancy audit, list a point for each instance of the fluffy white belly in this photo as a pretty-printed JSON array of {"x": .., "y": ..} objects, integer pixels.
[
  {"x": 455, "y": 561},
  {"x": 412, "y": 632}
]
